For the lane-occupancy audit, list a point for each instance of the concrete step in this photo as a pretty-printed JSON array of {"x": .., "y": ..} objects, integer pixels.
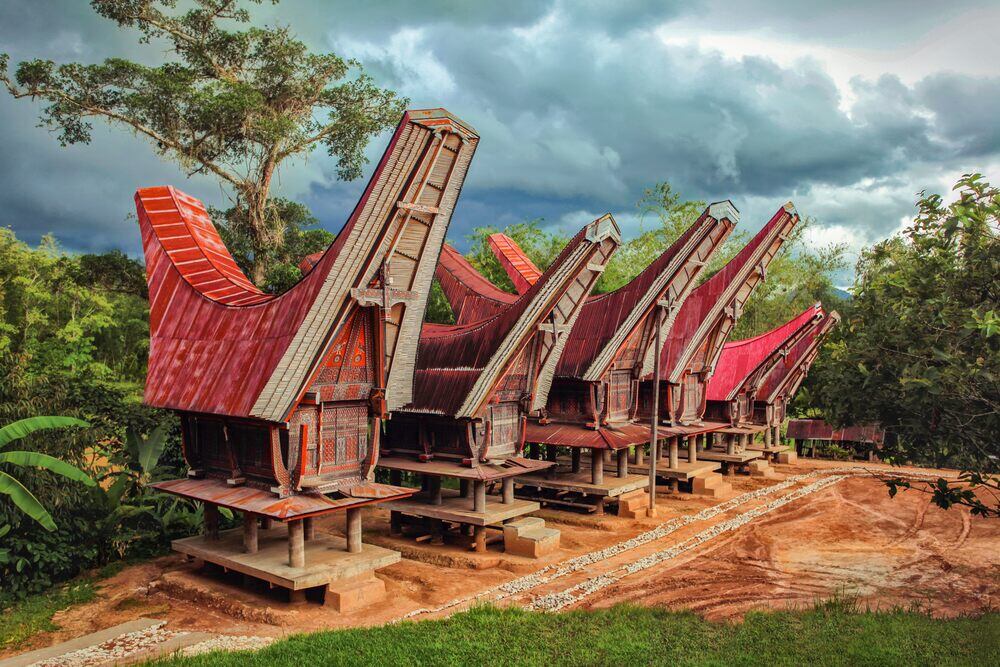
[
  {"x": 529, "y": 537},
  {"x": 761, "y": 469},
  {"x": 712, "y": 485},
  {"x": 633, "y": 504},
  {"x": 787, "y": 457}
]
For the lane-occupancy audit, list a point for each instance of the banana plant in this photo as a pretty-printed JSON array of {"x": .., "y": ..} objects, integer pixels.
[{"x": 9, "y": 486}]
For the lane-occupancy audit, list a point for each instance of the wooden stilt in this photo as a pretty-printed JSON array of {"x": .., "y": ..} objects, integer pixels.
[
  {"x": 296, "y": 544},
  {"x": 692, "y": 450},
  {"x": 622, "y": 455},
  {"x": 673, "y": 461},
  {"x": 639, "y": 454},
  {"x": 435, "y": 490},
  {"x": 463, "y": 487},
  {"x": 396, "y": 477},
  {"x": 730, "y": 444},
  {"x": 479, "y": 503},
  {"x": 211, "y": 521},
  {"x": 575, "y": 455},
  {"x": 479, "y": 538},
  {"x": 309, "y": 527},
  {"x": 596, "y": 467},
  {"x": 767, "y": 437},
  {"x": 266, "y": 523},
  {"x": 249, "y": 533},
  {"x": 395, "y": 523},
  {"x": 508, "y": 490},
  {"x": 354, "y": 530}
]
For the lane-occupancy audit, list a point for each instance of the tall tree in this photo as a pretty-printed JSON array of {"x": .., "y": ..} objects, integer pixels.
[
  {"x": 233, "y": 100},
  {"x": 919, "y": 349}
]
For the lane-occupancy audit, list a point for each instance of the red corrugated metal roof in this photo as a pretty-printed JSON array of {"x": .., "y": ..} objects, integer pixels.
[
  {"x": 216, "y": 339},
  {"x": 450, "y": 358},
  {"x": 519, "y": 267},
  {"x": 741, "y": 359},
  {"x": 707, "y": 301},
  {"x": 797, "y": 361},
  {"x": 576, "y": 435},
  {"x": 602, "y": 316},
  {"x": 472, "y": 297}
]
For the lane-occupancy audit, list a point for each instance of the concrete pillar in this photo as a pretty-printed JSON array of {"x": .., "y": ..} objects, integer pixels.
[
  {"x": 767, "y": 436},
  {"x": 508, "y": 490},
  {"x": 673, "y": 460},
  {"x": 551, "y": 451},
  {"x": 606, "y": 455},
  {"x": 463, "y": 488},
  {"x": 575, "y": 454},
  {"x": 249, "y": 533},
  {"x": 479, "y": 538},
  {"x": 296, "y": 544},
  {"x": 692, "y": 450},
  {"x": 639, "y": 453},
  {"x": 309, "y": 528},
  {"x": 730, "y": 444},
  {"x": 395, "y": 523},
  {"x": 211, "y": 521},
  {"x": 354, "y": 530},
  {"x": 266, "y": 523},
  {"x": 436, "y": 497},
  {"x": 596, "y": 466},
  {"x": 479, "y": 503},
  {"x": 622, "y": 463}
]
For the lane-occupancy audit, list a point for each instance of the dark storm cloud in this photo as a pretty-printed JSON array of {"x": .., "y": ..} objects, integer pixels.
[{"x": 580, "y": 105}]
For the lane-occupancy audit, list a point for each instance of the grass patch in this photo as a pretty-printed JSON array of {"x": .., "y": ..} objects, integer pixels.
[
  {"x": 831, "y": 634},
  {"x": 22, "y": 620}
]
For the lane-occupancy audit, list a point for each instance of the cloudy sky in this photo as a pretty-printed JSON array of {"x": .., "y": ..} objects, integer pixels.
[{"x": 846, "y": 107}]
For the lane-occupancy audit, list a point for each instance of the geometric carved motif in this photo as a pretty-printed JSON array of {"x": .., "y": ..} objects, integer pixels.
[
  {"x": 348, "y": 371},
  {"x": 619, "y": 395},
  {"x": 505, "y": 422}
]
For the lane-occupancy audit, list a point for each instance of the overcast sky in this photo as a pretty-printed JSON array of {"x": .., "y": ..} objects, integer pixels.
[{"x": 848, "y": 108}]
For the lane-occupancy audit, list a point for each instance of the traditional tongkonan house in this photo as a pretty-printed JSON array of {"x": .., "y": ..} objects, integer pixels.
[
  {"x": 691, "y": 354},
  {"x": 780, "y": 384},
  {"x": 476, "y": 382},
  {"x": 282, "y": 397},
  {"x": 743, "y": 366},
  {"x": 592, "y": 405}
]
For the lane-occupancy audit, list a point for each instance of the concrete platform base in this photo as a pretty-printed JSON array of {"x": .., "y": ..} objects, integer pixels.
[
  {"x": 684, "y": 471},
  {"x": 326, "y": 556},
  {"x": 787, "y": 457},
  {"x": 634, "y": 504},
  {"x": 763, "y": 470},
  {"x": 456, "y": 509}
]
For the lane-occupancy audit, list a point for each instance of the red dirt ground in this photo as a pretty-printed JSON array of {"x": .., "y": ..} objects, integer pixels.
[{"x": 850, "y": 540}]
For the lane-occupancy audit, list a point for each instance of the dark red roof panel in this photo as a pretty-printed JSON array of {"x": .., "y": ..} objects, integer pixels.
[
  {"x": 741, "y": 358},
  {"x": 522, "y": 271},
  {"x": 472, "y": 297}
]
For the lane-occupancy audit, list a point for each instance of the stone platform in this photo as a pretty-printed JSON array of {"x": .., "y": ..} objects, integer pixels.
[
  {"x": 456, "y": 509},
  {"x": 684, "y": 471},
  {"x": 327, "y": 562}
]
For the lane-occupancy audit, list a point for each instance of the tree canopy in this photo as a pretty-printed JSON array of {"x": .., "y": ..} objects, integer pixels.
[
  {"x": 918, "y": 351},
  {"x": 232, "y": 100}
]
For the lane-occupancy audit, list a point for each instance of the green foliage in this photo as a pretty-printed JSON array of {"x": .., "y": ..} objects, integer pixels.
[
  {"x": 919, "y": 350},
  {"x": 301, "y": 236},
  {"x": 23, "y": 621},
  {"x": 834, "y": 633},
  {"x": 231, "y": 100}
]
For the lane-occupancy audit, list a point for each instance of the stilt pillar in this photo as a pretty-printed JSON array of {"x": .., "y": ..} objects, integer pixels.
[
  {"x": 464, "y": 488},
  {"x": 767, "y": 437},
  {"x": 639, "y": 453},
  {"x": 596, "y": 466},
  {"x": 673, "y": 462},
  {"x": 266, "y": 523},
  {"x": 296, "y": 544},
  {"x": 575, "y": 458},
  {"x": 354, "y": 530},
  {"x": 479, "y": 503},
  {"x": 622, "y": 455},
  {"x": 249, "y": 533},
  {"x": 309, "y": 528},
  {"x": 395, "y": 523},
  {"x": 692, "y": 450},
  {"x": 211, "y": 521},
  {"x": 508, "y": 490},
  {"x": 479, "y": 538},
  {"x": 435, "y": 491},
  {"x": 730, "y": 444}
]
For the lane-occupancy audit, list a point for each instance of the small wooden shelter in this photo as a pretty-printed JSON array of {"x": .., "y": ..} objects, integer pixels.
[
  {"x": 282, "y": 397},
  {"x": 476, "y": 383},
  {"x": 862, "y": 440},
  {"x": 591, "y": 409},
  {"x": 743, "y": 367}
]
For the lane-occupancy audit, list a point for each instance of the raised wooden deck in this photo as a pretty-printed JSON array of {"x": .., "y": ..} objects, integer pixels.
[
  {"x": 684, "y": 471},
  {"x": 579, "y": 482},
  {"x": 327, "y": 558},
  {"x": 459, "y": 510},
  {"x": 722, "y": 457}
]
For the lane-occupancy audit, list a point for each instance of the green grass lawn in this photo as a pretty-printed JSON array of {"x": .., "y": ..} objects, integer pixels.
[
  {"x": 832, "y": 633},
  {"x": 21, "y": 620}
]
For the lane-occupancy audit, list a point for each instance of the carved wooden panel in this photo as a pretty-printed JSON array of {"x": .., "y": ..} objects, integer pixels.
[
  {"x": 505, "y": 419},
  {"x": 619, "y": 395}
]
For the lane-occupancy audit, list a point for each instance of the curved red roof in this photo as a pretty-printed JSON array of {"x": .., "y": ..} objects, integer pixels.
[
  {"x": 219, "y": 345},
  {"x": 793, "y": 366},
  {"x": 708, "y": 314},
  {"x": 451, "y": 359},
  {"x": 518, "y": 266},
  {"x": 742, "y": 360},
  {"x": 472, "y": 297}
]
